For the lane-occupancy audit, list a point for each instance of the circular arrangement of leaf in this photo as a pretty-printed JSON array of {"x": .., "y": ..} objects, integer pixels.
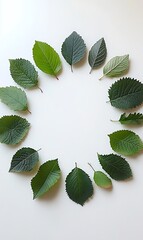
[{"x": 125, "y": 94}]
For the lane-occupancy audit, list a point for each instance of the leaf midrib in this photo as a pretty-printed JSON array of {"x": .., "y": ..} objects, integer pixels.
[
  {"x": 46, "y": 180},
  {"x": 116, "y": 66},
  {"x": 125, "y": 139},
  {"x": 95, "y": 58},
  {"x": 115, "y": 166},
  {"x": 125, "y": 95},
  {"x": 47, "y": 60},
  {"x": 24, "y": 160},
  {"x": 19, "y": 68},
  {"x": 25, "y": 107}
]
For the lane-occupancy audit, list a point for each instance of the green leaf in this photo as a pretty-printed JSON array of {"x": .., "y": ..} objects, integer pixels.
[
  {"x": 46, "y": 58},
  {"x": 73, "y": 49},
  {"x": 97, "y": 54},
  {"x": 125, "y": 142},
  {"x": 126, "y": 93},
  {"x": 79, "y": 186},
  {"x": 102, "y": 180},
  {"x": 116, "y": 166},
  {"x": 23, "y": 73},
  {"x": 48, "y": 175},
  {"x": 117, "y": 66},
  {"x": 132, "y": 118},
  {"x": 14, "y": 98},
  {"x": 13, "y": 129},
  {"x": 24, "y": 160}
]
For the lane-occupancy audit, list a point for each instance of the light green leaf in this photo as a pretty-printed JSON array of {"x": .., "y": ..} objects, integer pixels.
[
  {"x": 131, "y": 119},
  {"x": 125, "y": 142},
  {"x": 117, "y": 66},
  {"x": 24, "y": 160},
  {"x": 97, "y": 54},
  {"x": 23, "y": 73},
  {"x": 79, "y": 186},
  {"x": 126, "y": 93},
  {"x": 73, "y": 49},
  {"x": 48, "y": 175},
  {"x": 102, "y": 180},
  {"x": 13, "y": 129},
  {"x": 14, "y": 98},
  {"x": 116, "y": 166},
  {"x": 46, "y": 58}
]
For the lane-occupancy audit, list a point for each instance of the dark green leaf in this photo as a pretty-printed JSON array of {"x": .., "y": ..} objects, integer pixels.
[
  {"x": 24, "y": 160},
  {"x": 102, "y": 180},
  {"x": 116, "y": 166},
  {"x": 48, "y": 175},
  {"x": 117, "y": 66},
  {"x": 14, "y": 98},
  {"x": 79, "y": 186},
  {"x": 97, "y": 54},
  {"x": 125, "y": 142},
  {"x": 132, "y": 118},
  {"x": 73, "y": 48},
  {"x": 46, "y": 58},
  {"x": 23, "y": 73},
  {"x": 126, "y": 93},
  {"x": 13, "y": 129}
]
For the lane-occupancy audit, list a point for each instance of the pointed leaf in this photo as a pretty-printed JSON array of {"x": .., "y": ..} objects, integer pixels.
[
  {"x": 126, "y": 142},
  {"x": 23, "y": 73},
  {"x": 14, "y": 98},
  {"x": 13, "y": 129},
  {"x": 73, "y": 48},
  {"x": 24, "y": 160},
  {"x": 102, "y": 180},
  {"x": 116, "y": 166},
  {"x": 46, "y": 58},
  {"x": 126, "y": 93},
  {"x": 48, "y": 175},
  {"x": 97, "y": 54},
  {"x": 117, "y": 66},
  {"x": 79, "y": 186},
  {"x": 132, "y": 118}
]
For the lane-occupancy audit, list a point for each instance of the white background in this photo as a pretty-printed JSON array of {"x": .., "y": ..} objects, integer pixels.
[{"x": 70, "y": 120}]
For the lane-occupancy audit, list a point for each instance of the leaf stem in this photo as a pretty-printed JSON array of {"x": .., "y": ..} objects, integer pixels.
[
  {"x": 91, "y": 167},
  {"x": 75, "y": 164},
  {"x": 39, "y": 149},
  {"x": 101, "y": 77},
  {"x": 114, "y": 120},
  {"x": 90, "y": 71},
  {"x": 40, "y": 89},
  {"x": 28, "y": 110},
  {"x": 56, "y": 77},
  {"x": 71, "y": 68}
]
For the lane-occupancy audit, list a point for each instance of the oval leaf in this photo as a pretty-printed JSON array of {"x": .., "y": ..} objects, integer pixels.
[
  {"x": 79, "y": 186},
  {"x": 24, "y": 160},
  {"x": 13, "y": 129},
  {"x": 126, "y": 142},
  {"x": 46, "y": 58},
  {"x": 14, "y": 98},
  {"x": 73, "y": 48},
  {"x": 116, "y": 166},
  {"x": 131, "y": 119},
  {"x": 48, "y": 175},
  {"x": 97, "y": 54},
  {"x": 23, "y": 73},
  {"x": 102, "y": 180},
  {"x": 126, "y": 93},
  {"x": 117, "y": 66}
]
